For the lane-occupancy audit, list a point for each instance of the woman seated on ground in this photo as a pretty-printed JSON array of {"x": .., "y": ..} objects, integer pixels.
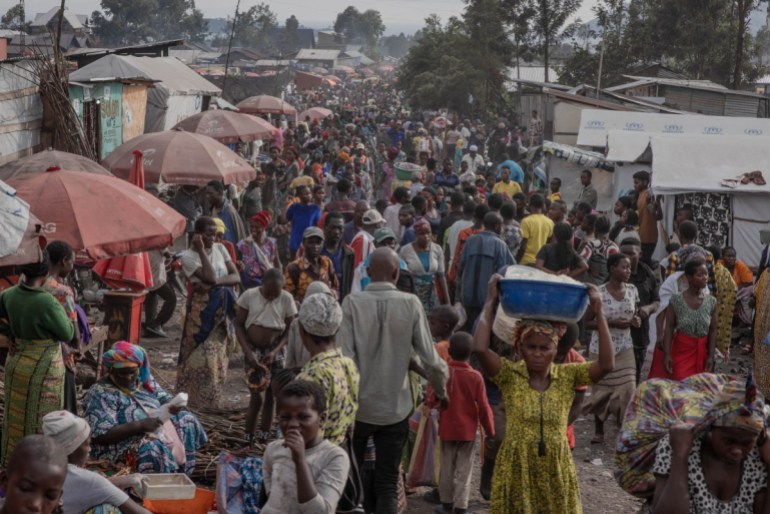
[
  {"x": 118, "y": 409},
  {"x": 86, "y": 491},
  {"x": 723, "y": 468}
]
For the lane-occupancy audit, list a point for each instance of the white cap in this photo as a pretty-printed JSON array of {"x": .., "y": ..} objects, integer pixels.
[
  {"x": 473, "y": 148},
  {"x": 68, "y": 430}
]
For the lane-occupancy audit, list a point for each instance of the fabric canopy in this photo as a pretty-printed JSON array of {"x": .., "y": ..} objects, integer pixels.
[{"x": 685, "y": 164}]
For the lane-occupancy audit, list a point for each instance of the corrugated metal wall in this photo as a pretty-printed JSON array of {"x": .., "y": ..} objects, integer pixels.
[{"x": 736, "y": 105}]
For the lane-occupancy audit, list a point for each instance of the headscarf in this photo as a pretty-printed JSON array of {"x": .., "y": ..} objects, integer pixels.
[
  {"x": 221, "y": 228},
  {"x": 528, "y": 327},
  {"x": 421, "y": 223},
  {"x": 320, "y": 315},
  {"x": 126, "y": 355},
  {"x": 344, "y": 156},
  {"x": 392, "y": 152},
  {"x": 262, "y": 218},
  {"x": 739, "y": 406}
]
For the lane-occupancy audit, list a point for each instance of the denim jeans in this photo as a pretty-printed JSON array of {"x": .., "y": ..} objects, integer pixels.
[{"x": 389, "y": 441}]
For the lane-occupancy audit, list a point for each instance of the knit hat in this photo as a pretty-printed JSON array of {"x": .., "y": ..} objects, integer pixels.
[
  {"x": 320, "y": 315},
  {"x": 68, "y": 430}
]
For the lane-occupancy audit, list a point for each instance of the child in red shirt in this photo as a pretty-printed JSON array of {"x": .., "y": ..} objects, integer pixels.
[
  {"x": 458, "y": 423},
  {"x": 442, "y": 321}
]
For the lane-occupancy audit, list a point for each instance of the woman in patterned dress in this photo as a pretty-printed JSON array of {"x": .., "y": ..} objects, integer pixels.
[
  {"x": 620, "y": 303},
  {"x": 258, "y": 252},
  {"x": 762, "y": 325},
  {"x": 721, "y": 469},
  {"x": 208, "y": 333},
  {"x": 534, "y": 470},
  {"x": 119, "y": 411}
]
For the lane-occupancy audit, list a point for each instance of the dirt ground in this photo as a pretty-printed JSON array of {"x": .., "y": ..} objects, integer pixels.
[{"x": 600, "y": 493}]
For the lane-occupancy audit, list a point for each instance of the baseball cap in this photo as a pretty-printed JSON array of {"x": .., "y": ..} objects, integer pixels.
[
  {"x": 372, "y": 217},
  {"x": 384, "y": 233},
  {"x": 360, "y": 146},
  {"x": 313, "y": 232}
]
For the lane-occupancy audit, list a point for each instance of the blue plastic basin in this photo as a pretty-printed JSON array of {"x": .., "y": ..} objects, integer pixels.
[{"x": 549, "y": 301}]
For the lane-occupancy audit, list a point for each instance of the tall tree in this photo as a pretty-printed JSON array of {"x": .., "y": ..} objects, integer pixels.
[
  {"x": 253, "y": 26},
  {"x": 484, "y": 22},
  {"x": 125, "y": 22},
  {"x": 549, "y": 18},
  {"x": 14, "y": 18},
  {"x": 364, "y": 28},
  {"x": 743, "y": 9}
]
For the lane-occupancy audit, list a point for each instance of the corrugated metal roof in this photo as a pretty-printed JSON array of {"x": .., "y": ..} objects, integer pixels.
[
  {"x": 313, "y": 54},
  {"x": 171, "y": 72},
  {"x": 588, "y": 101},
  {"x": 42, "y": 19}
]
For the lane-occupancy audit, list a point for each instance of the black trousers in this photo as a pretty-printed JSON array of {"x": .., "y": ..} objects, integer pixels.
[
  {"x": 153, "y": 317},
  {"x": 389, "y": 441}
]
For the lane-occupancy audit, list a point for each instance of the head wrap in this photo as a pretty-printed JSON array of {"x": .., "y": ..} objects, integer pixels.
[
  {"x": 529, "y": 327},
  {"x": 392, "y": 152},
  {"x": 68, "y": 430},
  {"x": 317, "y": 287},
  {"x": 221, "y": 228},
  {"x": 344, "y": 156},
  {"x": 421, "y": 223},
  {"x": 320, "y": 315},
  {"x": 262, "y": 218},
  {"x": 739, "y": 406},
  {"x": 126, "y": 355}
]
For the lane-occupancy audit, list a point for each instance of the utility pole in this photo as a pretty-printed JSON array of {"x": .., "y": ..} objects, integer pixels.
[
  {"x": 230, "y": 46},
  {"x": 601, "y": 63}
]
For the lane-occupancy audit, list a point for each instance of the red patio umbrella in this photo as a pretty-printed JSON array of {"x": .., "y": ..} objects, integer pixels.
[
  {"x": 344, "y": 69},
  {"x": 264, "y": 104},
  {"x": 41, "y": 161},
  {"x": 227, "y": 126},
  {"x": 102, "y": 215},
  {"x": 320, "y": 71},
  {"x": 131, "y": 271},
  {"x": 178, "y": 157},
  {"x": 315, "y": 113}
]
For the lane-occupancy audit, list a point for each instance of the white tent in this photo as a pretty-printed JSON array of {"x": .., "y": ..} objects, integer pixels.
[
  {"x": 179, "y": 93},
  {"x": 596, "y": 123},
  {"x": 700, "y": 164}
]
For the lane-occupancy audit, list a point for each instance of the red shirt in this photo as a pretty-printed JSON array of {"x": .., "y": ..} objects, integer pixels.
[{"x": 468, "y": 405}]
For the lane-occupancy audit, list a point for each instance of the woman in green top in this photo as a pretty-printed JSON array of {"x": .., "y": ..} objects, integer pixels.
[{"x": 34, "y": 374}]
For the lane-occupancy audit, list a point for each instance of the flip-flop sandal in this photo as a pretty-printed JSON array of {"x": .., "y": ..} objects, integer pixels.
[
  {"x": 746, "y": 178},
  {"x": 758, "y": 179}
]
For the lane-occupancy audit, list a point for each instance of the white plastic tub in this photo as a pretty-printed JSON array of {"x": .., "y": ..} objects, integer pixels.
[{"x": 168, "y": 486}]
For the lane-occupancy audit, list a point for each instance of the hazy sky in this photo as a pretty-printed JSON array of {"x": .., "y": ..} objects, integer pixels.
[{"x": 398, "y": 15}]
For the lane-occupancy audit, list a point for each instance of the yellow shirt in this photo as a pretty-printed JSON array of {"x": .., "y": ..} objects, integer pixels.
[
  {"x": 537, "y": 230},
  {"x": 554, "y": 196},
  {"x": 509, "y": 189}
]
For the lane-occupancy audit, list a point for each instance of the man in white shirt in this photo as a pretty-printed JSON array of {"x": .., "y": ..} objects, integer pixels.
[{"x": 474, "y": 160}]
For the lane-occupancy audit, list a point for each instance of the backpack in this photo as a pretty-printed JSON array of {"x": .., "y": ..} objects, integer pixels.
[{"x": 405, "y": 282}]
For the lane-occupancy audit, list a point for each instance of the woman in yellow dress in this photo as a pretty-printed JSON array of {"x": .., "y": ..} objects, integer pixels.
[{"x": 534, "y": 471}]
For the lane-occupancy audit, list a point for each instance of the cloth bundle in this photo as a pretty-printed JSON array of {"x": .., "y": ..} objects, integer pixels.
[{"x": 657, "y": 405}]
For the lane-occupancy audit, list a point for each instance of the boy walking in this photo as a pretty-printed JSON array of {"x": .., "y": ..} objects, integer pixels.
[{"x": 467, "y": 408}]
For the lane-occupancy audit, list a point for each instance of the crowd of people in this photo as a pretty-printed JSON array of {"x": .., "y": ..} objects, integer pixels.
[{"x": 357, "y": 275}]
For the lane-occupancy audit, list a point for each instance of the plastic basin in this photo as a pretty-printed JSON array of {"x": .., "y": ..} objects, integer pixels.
[
  {"x": 549, "y": 301},
  {"x": 201, "y": 504},
  {"x": 404, "y": 170}
]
